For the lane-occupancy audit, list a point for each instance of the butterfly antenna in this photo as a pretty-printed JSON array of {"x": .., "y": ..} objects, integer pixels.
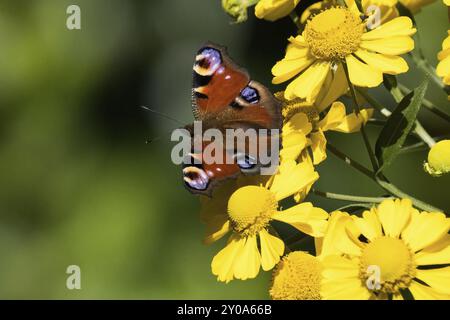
[{"x": 162, "y": 115}]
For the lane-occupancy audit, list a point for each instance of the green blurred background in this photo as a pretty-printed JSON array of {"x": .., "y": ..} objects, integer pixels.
[{"x": 78, "y": 183}]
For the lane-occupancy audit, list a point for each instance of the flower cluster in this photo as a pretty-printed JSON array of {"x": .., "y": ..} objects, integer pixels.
[{"x": 387, "y": 247}]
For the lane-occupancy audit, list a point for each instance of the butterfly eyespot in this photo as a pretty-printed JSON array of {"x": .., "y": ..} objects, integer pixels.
[
  {"x": 245, "y": 161},
  {"x": 250, "y": 94},
  {"x": 195, "y": 178}
]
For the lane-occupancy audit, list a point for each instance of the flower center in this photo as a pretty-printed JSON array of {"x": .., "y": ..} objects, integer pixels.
[
  {"x": 294, "y": 106},
  {"x": 334, "y": 33},
  {"x": 389, "y": 262},
  {"x": 297, "y": 277},
  {"x": 250, "y": 209}
]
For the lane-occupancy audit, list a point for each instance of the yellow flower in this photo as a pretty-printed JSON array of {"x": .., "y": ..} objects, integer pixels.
[
  {"x": 274, "y": 9},
  {"x": 443, "y": 67},
  {"x": 300, "y": 131},
  {"x": 298, "y": 276},
  {"x": 438, "y": 159},
  {"x": 338, "y": 35},
  {"x": 391, "y": 248},
  {"x": 248, "y": 214},
  {"x": 415, "y": 5}
]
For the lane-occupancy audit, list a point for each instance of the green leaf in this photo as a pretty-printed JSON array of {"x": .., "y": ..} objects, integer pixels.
[{"x": 394, "y": 133}]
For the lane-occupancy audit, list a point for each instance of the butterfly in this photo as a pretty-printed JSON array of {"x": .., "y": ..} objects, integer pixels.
[{"x": 225, "y": 97}]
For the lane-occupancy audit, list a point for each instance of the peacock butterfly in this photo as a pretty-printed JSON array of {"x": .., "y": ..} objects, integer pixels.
[{"x": 225, "y": 98}]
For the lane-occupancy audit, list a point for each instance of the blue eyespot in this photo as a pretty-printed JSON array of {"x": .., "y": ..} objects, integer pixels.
[
  {"x": 250, "y": 95},
  {"x": 245, "y": 161}
]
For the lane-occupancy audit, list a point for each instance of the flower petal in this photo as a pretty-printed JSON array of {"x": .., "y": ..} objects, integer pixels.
[
  {"x": 438, "y": 253},
  {"x": 425, "y": 229},
  {"x": 438, "y": 279},
  {"x": 337, "y": 267},
  {"x": 391, "y": 46},
  {"x": 248, "y": 260},
  {"x": 334, "y": 117},
  {"x": 223, "y": 262},
  {"x": 352, "y": 122},
  {"x": 318, "y": 146},
  {"x": 304, "y": 217},
  {"x": 369, "y": 224},
  {"x": 394, "y": 216},
  {"x": 336, "y": 239},
  {"x": 362, "y": 74},
  {"x": 334, "y": 90},
  {"x": 308, "y": 84},
  {"x": 344, "y": 289},
  {"x": 216, "y": 229},
  {"x": 273, "y": 10},
  {"x": 443, "y": 67},
  {"x": 287, "y": 68},
  {"x": 421, "y": 292},
  {"x": 401, "y": 26},
  {"x": 272, "y": 249},
  {"x": 292, "y": 178},
  {"x": 386, "y": 64},
  {"x": 298, "y": 122}
]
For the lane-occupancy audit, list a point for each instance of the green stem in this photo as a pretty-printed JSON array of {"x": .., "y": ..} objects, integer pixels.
[
  {"x": 427, "y": 104},
  {"x": 381, "y": 180},
  {"x": 346, "y": 197},
  {"x": 372, "y": 157},
  {"x": 351, "y": 162},
  {"x": 392, "y": 189}
]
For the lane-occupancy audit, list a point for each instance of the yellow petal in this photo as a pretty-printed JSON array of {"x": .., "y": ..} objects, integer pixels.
[
  {"x": 438, "y": 279},
  {"x": 353, "y": 122},
  {"x": 305, "y": 217},
  {"x": 308, "y": 84},
  {"x": 274, "y": 9},
  {"x": 344, "y": 289},
  {"x": 299, "y": 40},
  {"x": 222, "y": 264},
  {"x": 362, "y": 74},
  {"x": 337, "y": 267},
  {"x": 272, "y": 249},
  {"x": 337, "y": 237},
  {"x": 425, "y": 229},
  {"x": 401, "y": 26},
  {"x": 369, "y": 224},
  {"x": 421, "y": 292},
  {"x": 384, "y": 63},
  {"x": 216, "y": 229},
  {"x": 248, "y": 260},
  {"x": 298, "y": 122},
  {"x": 443, "y": 68},
  {"x": 318, "y": 146},
  {"x": 292, "y": 178},
  {"x": 331, "y": 92},
  {"x": 438, "y": 253},
  {"x": 394, "y": 215},
  {"x": 334, "y": 116},
  {"x": 287, "y": 68},
  {"x": 391, "y": 46},
  {"x": 293, "y": 144}
]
